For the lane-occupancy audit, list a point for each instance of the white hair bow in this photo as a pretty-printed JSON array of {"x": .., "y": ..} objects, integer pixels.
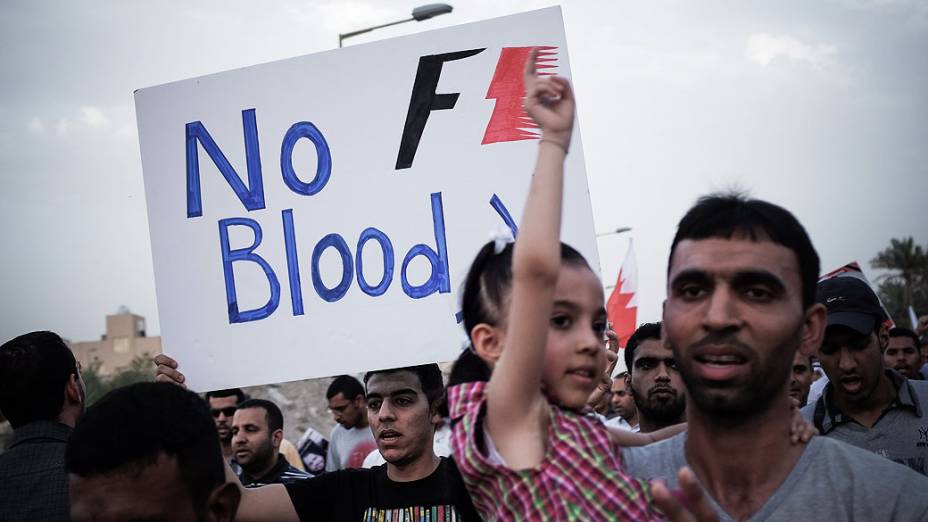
[{"x": 501, "y": 236}]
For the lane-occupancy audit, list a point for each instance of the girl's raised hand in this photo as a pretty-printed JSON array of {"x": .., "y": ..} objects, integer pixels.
[{"x": 550, "y": 102}]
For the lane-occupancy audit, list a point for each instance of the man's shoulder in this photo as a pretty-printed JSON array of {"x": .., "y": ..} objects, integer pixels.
[
  {"x": 337, "y": 431},
  {"x": 920, "y": 386},
  {"x": 845, "y": 478},
  {"x": 661, "y": 459},
  {"x": 861, "y": 467}
]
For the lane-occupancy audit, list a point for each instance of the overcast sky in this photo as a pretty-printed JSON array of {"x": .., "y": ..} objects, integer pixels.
[{"x": 818, "y": 106}]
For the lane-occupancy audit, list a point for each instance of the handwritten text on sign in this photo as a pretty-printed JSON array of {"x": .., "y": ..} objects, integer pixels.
[{"x": 394, "y": 167}]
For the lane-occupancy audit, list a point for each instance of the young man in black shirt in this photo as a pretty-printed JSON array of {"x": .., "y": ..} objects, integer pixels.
[{"x": 403, "y": 411}]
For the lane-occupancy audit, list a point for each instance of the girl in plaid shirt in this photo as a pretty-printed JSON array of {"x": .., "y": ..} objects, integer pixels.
[{"x": 524, "y": 448}]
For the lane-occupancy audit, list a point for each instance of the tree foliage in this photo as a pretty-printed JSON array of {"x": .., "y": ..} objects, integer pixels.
[
  {"x": 905, "y": 282},
  {"x": 96, "y": 385}
]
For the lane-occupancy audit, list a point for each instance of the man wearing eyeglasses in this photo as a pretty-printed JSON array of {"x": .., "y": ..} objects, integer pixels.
[
  {"x": 351, "y": 440},
  {"x": 222, "y": 404}
]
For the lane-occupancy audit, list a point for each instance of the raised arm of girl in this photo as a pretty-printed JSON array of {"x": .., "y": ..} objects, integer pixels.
[{"x": 516, "y": 416}]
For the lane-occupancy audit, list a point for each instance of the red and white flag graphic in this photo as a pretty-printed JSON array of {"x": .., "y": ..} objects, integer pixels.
[{"x": 622, "y": 306}]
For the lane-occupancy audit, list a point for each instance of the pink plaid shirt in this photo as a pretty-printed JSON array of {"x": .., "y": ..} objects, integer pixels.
[{"x": 580, "y": 478}]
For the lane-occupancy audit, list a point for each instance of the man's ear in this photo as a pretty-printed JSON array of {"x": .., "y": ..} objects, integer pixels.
[
  {"x": 223, "y": 502},
  {"x": 882, "y": 336},
  {"x": 813, "y": 329},
  {"x": 72, "y": 390},
  {"x": 276, "y": 437},
  {"x": 488, "y": 342}
]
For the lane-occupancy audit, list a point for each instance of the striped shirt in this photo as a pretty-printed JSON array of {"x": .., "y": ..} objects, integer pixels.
[{"x": 580, "y": 477}]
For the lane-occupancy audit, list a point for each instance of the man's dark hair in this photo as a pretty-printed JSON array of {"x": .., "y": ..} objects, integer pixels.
[
  {"x": 643, "y": 333},
  {"x": 34, "y": 371},
  {"x": 275, "y": 419},
  {"x": 345, "y": 385},
  {"x": 900, "y": 331},
  {"x": 727, "y": 216},
  {"x": 130, "y": 427},
  {"x": 237, "y": 392},
  {"x": 429, "y": 377}
]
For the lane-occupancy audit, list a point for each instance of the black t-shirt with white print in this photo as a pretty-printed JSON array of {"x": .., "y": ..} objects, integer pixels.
[{"x": 354, "y": 495}]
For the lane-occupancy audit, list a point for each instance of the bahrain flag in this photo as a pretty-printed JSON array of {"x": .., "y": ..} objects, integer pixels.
[{"x": 622, "y": 306}]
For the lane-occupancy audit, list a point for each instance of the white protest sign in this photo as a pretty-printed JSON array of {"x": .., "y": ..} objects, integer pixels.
[{"x": 317, "y": 215}]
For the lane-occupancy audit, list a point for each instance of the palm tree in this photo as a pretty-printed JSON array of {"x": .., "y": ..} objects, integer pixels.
[{"x": 907, "y": 264}]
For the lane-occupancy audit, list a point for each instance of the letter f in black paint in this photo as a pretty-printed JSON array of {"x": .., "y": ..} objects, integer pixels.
[{"x": 424, "y": 100}]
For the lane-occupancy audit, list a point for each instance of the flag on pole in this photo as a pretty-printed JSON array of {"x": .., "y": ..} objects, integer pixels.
[{"x": 622, "y": 306}]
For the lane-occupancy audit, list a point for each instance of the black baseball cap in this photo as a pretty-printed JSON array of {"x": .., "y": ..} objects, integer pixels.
[{"x": 850, "y": 302}]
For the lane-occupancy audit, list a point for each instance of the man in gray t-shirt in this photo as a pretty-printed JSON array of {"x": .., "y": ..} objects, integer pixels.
[
  {"x": 740, "y": 304},
  {"x": 830, "y": 481}
]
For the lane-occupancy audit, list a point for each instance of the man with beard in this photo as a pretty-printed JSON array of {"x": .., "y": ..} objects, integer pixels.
[
  {"x": 655, "y": 381},
  {"x": 801, "y": 381},
  {"x": 904, "y": 353},
  {"x": 740, "y": 303},
  {"x": 257, "y": 431},
  {"x": 42, "y": 395},
  {"x": 864, "y": 404}
]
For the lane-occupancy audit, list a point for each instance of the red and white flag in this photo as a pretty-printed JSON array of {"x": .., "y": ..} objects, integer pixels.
[{"x": 622, "y": 306}]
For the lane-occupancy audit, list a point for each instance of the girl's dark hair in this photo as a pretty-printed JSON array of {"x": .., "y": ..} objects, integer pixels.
[{"x": 483, "y": 301}]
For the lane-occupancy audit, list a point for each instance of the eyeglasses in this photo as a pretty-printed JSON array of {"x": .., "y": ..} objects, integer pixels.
[{"x": 228, "y": 412}]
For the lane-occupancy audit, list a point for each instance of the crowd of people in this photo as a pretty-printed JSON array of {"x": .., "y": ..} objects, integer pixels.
[{"x": 721, "y": 414}]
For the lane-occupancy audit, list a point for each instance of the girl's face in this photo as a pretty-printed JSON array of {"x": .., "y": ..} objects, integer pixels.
[{"x": 575, "y": 356}]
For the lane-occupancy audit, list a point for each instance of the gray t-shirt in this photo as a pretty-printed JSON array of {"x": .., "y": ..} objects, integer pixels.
[
  {"x": 831, "y": 481},
  {"x": 349, "y": 447}
]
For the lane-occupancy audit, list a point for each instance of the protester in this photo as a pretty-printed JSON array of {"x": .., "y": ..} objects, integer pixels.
[
  {"x": 904, "y": 353},
  {"x": 655, "y": 380},
  {"x": 222, "y": 404},
  {"x": 148, "y": 451},
  {"x": 801, "y": 380},
  {"x": 351, "y": 439},
  {"x": 535, "y": 316},
  {"x": 863, "y": 404},
  {"x": 42, "y": 396},
  {"x": 402, "y": 404},
  {"x": 623, "y": 404},
  {"x": 257, "y": 431},
  {"x": 740, "y": 303}
]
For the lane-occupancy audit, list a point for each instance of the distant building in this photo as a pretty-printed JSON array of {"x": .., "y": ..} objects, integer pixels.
[{"x": 124, "y": 340}]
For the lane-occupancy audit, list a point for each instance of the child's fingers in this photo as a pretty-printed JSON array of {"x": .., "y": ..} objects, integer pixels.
[
  {"x": 668, "y": 504},
  {"x": 529, "y": 72},
  {"x": 563, "y": 85}
]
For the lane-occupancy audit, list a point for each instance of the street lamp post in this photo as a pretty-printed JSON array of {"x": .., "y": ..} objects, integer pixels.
[
  {"x": 619, "y": 230},
  {"x": 423, "y": 12}
]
